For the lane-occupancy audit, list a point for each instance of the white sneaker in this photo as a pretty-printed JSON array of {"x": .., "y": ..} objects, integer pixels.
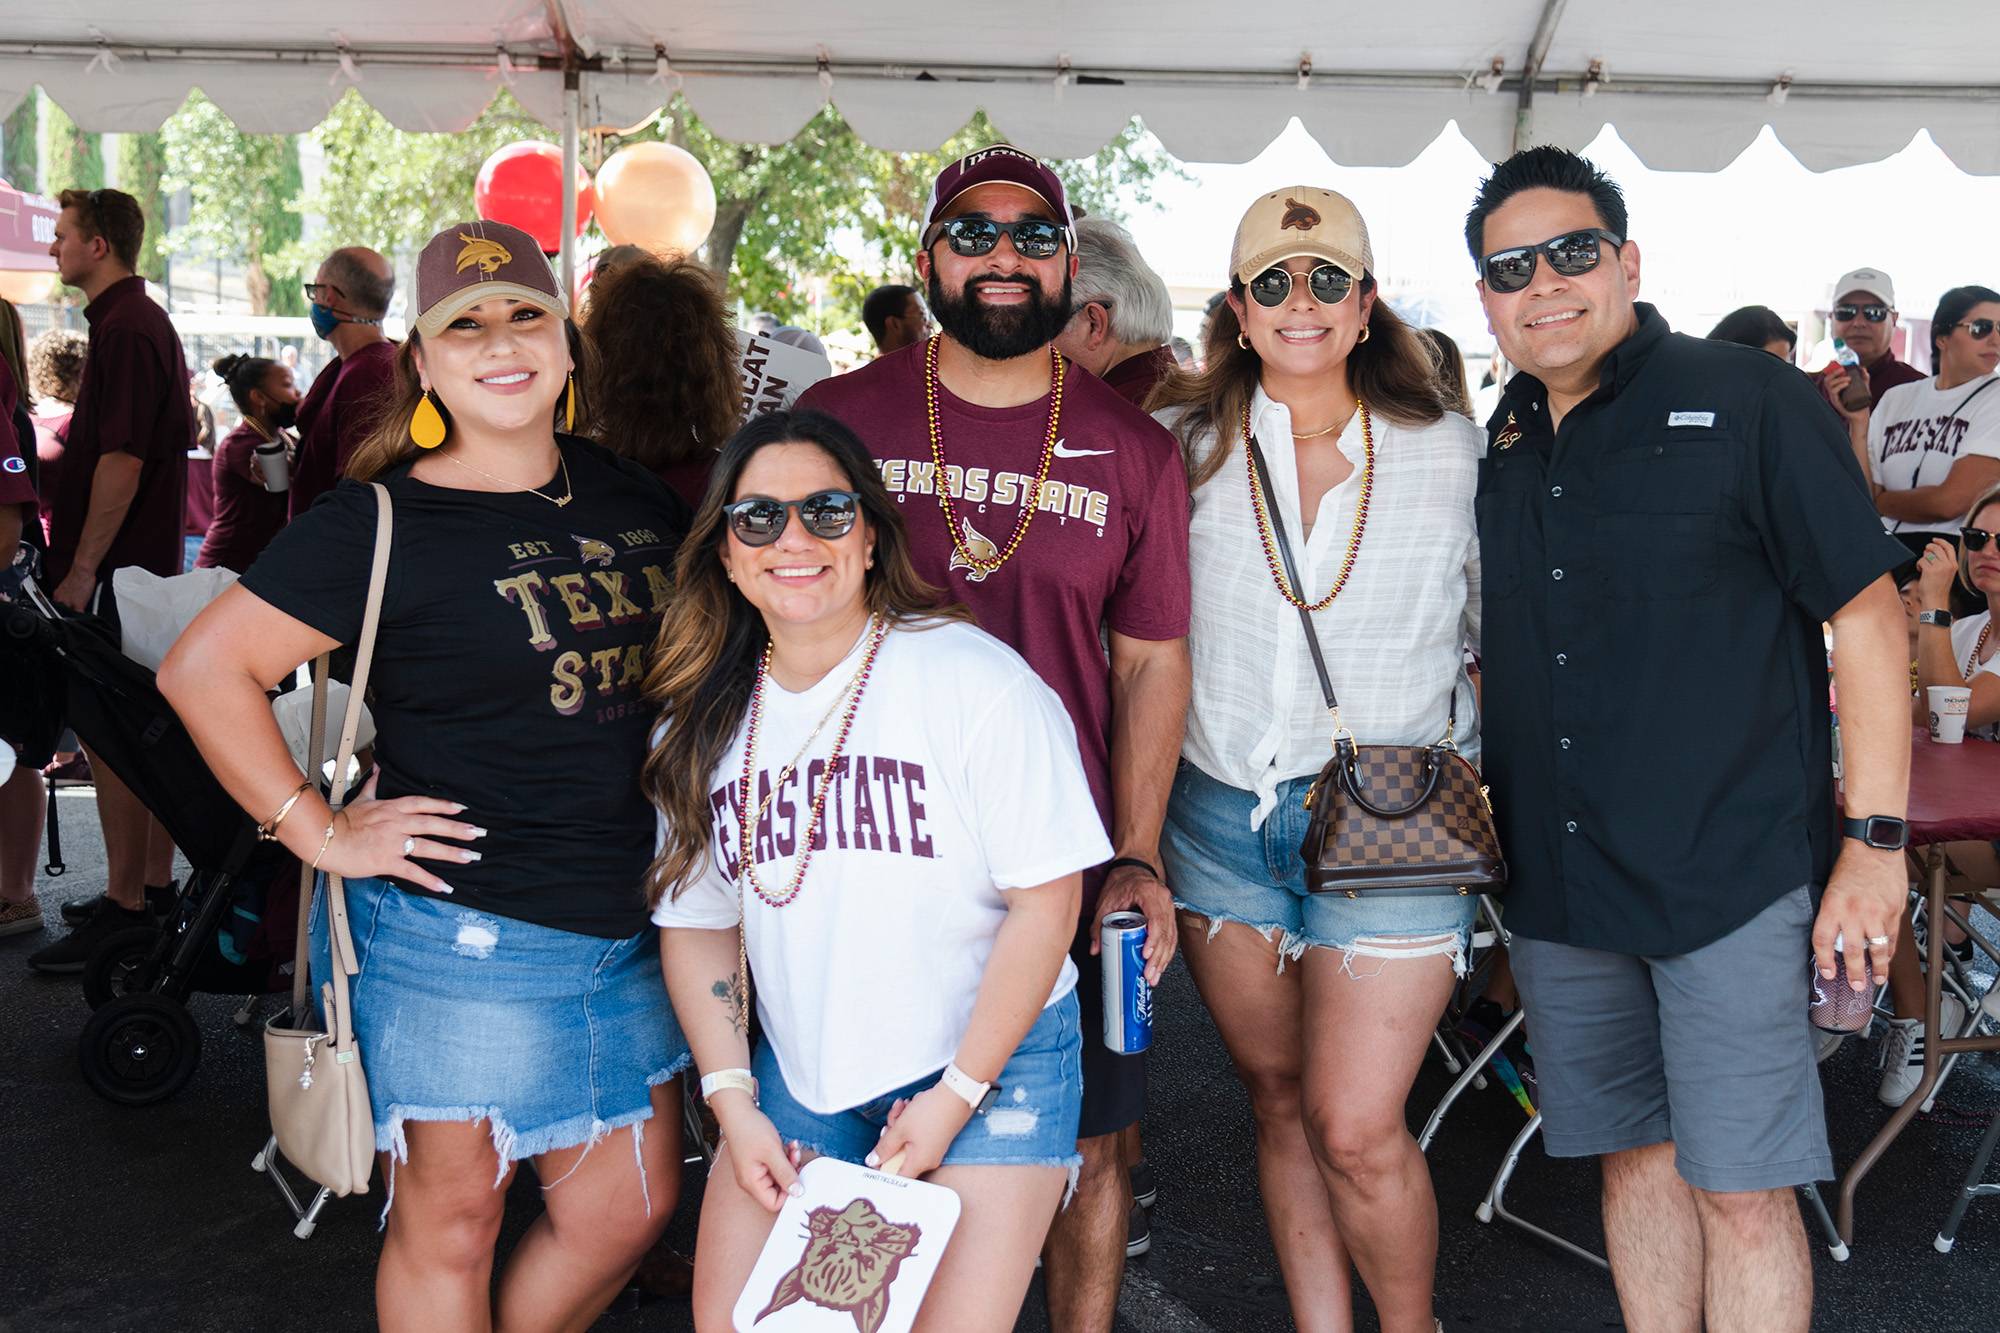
[{"x": 1903, "y": 1051}]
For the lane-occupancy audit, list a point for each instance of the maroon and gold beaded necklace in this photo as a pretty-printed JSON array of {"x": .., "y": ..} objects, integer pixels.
[
  {"x": 1257, "y": 503},
  {"x": 1972, "y": 662}
]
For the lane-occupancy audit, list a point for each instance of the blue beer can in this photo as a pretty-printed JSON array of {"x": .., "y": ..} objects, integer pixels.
[{"x": 1128, "y": 1000}]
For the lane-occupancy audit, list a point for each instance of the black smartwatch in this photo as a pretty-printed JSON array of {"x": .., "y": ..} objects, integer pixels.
[
  {"x": 1942, "y": 619},
  {"x": 1883, "y": 832}
]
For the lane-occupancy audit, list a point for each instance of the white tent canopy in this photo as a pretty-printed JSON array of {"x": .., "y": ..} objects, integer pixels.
[{"x": 1688, "y": 85}]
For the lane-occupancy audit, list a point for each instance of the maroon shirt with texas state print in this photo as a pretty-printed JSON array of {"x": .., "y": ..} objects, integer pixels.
[{"x": 1108, "y": 548}]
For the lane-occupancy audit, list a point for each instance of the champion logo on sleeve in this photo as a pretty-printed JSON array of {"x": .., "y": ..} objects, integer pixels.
[{"x": 13, "y": 464}]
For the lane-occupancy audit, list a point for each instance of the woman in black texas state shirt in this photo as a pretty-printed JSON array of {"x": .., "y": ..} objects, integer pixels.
[{"x": 510, "y": 1003}]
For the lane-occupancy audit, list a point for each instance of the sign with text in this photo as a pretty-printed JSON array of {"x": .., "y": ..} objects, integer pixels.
[{"x": 775, "y": 374}]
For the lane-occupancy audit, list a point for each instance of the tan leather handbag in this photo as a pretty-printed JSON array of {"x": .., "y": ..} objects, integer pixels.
[
  {"x": 313, "y": 1081},
  {"x": 1390, "y": 820}
]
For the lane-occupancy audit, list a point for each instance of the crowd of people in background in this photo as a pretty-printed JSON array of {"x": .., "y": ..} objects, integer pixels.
[{"x": 864, "y": 715}]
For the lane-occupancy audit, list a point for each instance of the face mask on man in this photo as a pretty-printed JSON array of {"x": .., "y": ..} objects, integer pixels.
[{"x": 324, "y": 321}]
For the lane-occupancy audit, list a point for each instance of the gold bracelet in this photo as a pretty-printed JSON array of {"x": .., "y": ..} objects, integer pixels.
[
  {"x": 268, "y": 830},
  {"x": 327, "y": 841}
]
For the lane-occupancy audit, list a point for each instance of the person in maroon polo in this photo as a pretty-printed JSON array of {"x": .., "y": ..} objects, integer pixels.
[
  {"x": 1864, "y": 317},
  {"x": 119, "y": 502},
  {"x": 247, "y": 516},
  {"x": 1057, "y": 512},
  {"x": 1124, "y": 313},
  {"x": 350, "y": 295}
]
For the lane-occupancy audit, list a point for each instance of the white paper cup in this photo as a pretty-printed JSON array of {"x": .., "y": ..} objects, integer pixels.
[
  {"x": 1948, "y": 706},
  {"x": 275, "y": 466}
]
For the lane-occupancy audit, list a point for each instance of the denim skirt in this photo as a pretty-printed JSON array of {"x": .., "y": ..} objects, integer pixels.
[{"x": 552, "y": 1038}]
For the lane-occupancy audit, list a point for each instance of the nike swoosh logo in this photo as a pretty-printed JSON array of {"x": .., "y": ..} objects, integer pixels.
[{"x": 1063, "y": 451}]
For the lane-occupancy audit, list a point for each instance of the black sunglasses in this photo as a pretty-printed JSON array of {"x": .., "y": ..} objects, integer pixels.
[
  {"x": 1978, "y": 328},
  {"x": 317, "y": 291},
  {"x": 1328, "y": 284},
  {"x": 1975, "y": 539},
  {"x": 1874, "y": 314},
  {"x": 760, "y": 520},
  {"x": 1571, "y": 254},
  {"x": 1034, "y": 238}
]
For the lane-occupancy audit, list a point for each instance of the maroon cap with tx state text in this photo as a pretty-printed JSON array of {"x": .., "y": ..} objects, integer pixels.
[{"x": 1001, "y": 164}]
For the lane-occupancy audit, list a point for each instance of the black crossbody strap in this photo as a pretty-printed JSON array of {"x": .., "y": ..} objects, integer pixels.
[{"x": 1292, "y": 572}]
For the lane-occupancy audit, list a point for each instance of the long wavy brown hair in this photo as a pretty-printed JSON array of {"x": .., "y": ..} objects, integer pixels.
[
  {"x": 389, "y": 444},
  {"x": 705, "y": 657},
  {"x": 666, "y": 388},
  {"x": 1392, "y": 372}
]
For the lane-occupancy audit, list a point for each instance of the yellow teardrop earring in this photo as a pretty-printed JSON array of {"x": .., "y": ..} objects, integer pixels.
[
  {"x": 569, "y": 405},
  {"x": 427, "y": 423}
]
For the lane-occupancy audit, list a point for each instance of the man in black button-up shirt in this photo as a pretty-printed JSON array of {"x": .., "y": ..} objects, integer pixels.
[{"x": 1665, "y": 523}]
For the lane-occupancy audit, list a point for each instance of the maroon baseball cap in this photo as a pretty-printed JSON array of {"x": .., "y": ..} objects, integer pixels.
[
  {"x": 1001, "y": 164},
  {"x": 470, "y": 262}
]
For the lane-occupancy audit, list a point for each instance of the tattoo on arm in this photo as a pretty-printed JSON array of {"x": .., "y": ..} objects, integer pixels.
[{"x": 730, "y": 992}]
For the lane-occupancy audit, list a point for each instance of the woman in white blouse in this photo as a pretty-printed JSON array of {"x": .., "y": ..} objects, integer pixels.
[{"x": 1326, "y": 1003}]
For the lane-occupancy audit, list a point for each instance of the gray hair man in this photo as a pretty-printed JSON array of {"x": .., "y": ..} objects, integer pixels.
[{"x": 1123, "y": 316}]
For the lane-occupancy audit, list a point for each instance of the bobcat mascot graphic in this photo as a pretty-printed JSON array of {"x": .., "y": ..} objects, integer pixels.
[
  {"x": 980, "y": 546},
  {"x": 849, "y": 1264}
]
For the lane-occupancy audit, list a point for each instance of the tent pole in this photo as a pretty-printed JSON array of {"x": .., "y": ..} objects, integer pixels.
[
  {"x": 570, "y": 115},
  {"x": 1538, "y": 51}
]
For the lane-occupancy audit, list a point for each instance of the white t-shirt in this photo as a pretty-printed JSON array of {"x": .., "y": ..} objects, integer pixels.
[
  {"x": 964, "y": 782},
  {"x": 1965, "y": 637},
  {"x": 1917, "y": 432}
]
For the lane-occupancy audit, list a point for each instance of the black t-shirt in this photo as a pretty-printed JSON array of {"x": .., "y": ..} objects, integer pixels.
[{"x": 508, "y": 668}]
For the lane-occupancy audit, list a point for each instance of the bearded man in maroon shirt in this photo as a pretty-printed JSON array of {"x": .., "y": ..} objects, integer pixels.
[{"x": 118, "y": 502}]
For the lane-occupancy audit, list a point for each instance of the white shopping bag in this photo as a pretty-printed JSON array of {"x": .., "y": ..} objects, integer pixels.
[
  {"x": 774, "y": 373},
  {"x": 153, "y": 611},
  {"x": 853, "y": 1252},
  {"x": 294, "y": 714}
]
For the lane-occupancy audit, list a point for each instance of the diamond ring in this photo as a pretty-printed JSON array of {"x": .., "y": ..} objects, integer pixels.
[
  {"x": 410, "y": 845},
  {"x": 1879, "y": 941}
]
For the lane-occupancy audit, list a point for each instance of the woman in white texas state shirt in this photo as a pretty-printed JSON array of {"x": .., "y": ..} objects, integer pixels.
[{"x": 897, "y": 800}]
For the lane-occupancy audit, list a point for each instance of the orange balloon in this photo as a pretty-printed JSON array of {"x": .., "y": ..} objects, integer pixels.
[{"x": 655, "y": 195}]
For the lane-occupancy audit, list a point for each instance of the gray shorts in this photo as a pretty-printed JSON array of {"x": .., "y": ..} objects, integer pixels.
[{"x": 1709, "y": 1050}]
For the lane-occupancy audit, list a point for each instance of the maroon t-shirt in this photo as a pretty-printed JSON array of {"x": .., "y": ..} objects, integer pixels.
[
  {"x": 1887, "y": 372},
  {"x": 1135, "y": 376},
  {"x": 133, "y": 400},
  {"x": 1107, "y": 549},
  {"x": 200, "y": 506},
  {"x": 246, "y": 515},
  {"x": 344, "y": 404}
]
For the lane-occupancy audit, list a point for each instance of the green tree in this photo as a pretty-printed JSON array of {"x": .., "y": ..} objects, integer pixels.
[
  {"x": 22, "y": 165},
  {"x": 71, "y": 159},
  {"x": 142, "y": 167},
  {"x": 783, "y": 211},
  {"x": 390, "y": 190},
  {"x": 243, "y": 199}
]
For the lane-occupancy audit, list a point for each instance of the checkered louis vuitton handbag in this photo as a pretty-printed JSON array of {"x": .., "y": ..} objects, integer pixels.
[{"x": 1390, "y": 820}]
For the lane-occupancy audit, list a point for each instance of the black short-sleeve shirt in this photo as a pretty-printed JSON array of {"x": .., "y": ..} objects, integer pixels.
[
  {"x": 508, "y": 669},
  {"x": 1656, "y": 574}
]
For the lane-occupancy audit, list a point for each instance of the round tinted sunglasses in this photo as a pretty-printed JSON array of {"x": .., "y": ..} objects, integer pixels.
[
  {"x": 1874, "y": 314},
  {"x": 1978, "y": 328},
  {"x": 1975, "y": 539},
  {"x": 1328, "y": 284},
  {"x": 1034, "y": 238},
  {"x": 760, "y": 520},
  {"x": 1571, "y": 254}
]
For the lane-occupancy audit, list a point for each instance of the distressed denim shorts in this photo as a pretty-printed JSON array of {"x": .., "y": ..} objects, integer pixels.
[
  {"x": 554, "y": 1039},
  {"x": 1222, "y": 869},
  {"x": 1033, "y": 1123}
]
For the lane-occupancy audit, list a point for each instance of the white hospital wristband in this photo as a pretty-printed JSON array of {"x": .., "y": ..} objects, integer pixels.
[{"x": 728, "y": 1078}]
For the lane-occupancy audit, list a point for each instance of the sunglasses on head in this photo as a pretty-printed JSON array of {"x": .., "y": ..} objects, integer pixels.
[
  {"x": 1975, "y": 539},
  {"x": 1034, "y": 238},
  {"x": 1978, "y": 328},
  {"x": 760, "y": 520},
  {"x": 1328, "y": 284},
  {"x": 1571, "y": 254},
  {"x": 1874, "y": 314}
]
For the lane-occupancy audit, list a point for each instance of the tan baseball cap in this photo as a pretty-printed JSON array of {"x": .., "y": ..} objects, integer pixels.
[
  {"x": 470, "y": 262},
  {"x": 1301, "y": 220}
]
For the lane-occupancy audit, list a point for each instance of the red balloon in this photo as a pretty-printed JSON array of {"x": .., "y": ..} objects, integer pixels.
[{"x": 521, "y": 185}]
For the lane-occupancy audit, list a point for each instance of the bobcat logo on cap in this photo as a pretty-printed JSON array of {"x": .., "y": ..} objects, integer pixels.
[
  {"x": 1302, "y": 216},
  {"x": 849, "y": 1264},
  {"x": 590, "y": 551},
  {"x": 488, "y": 255}
]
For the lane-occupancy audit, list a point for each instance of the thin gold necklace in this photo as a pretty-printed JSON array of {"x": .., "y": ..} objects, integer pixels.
[{"x": 569, "y": 491}]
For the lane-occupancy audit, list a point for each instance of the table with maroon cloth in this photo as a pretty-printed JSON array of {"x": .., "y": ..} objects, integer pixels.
[{"x": 1954, "y": 797}]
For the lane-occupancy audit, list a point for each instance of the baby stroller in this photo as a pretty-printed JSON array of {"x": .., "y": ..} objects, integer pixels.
[{"x": 141, "y": 1045}]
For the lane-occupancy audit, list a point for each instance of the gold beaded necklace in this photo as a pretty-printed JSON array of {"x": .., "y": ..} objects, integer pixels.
[
  {"x": 1257, "y": 502},
  {"x": 981, "y": 565}
]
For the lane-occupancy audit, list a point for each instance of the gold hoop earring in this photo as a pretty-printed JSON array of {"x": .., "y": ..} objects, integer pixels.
[
  {"x": 569, "y": 404},
  {"x": 1242, "y": 342},
  {"x": 1364, "y": 334},
  {"x": 427, "y": 428}
]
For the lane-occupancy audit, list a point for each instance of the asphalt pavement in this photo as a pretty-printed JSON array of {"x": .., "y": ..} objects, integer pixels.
[{"x": 116, "y": 1219}]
